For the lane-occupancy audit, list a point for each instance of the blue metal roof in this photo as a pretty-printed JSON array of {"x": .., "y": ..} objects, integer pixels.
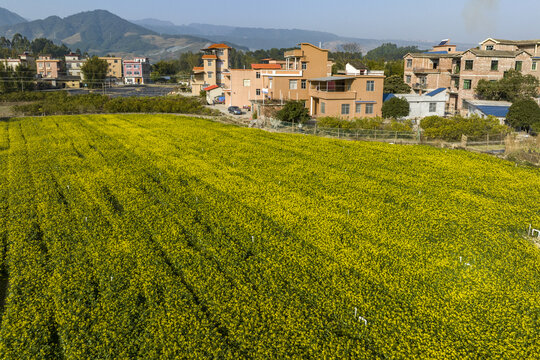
[
  {"x": 436, "y": 52},
  {"x": 387, "y": 96},
  {"x": 435, "y": 92},
  {"x": 498, "y": 111}
]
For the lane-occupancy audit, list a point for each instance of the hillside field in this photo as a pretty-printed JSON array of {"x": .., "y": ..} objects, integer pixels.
[{"x": 165, "y": 237}]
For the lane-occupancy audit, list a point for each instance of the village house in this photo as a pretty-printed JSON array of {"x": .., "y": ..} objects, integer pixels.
[
  {"x": 214, "y": 70},
  {"x": 460, "y": 72},
  {"x": 136, "y": 71},
  {"x": 25, "y": 59},
  {"x": 427, "y": 104},
  {"x": 74, "y": 63},
  {"x": 306, "y": 74},
  {"x": 49, "y": 68},
  {"x": 114, "y": 71}
]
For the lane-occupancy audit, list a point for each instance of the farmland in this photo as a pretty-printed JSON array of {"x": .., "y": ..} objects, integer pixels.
[{"x": 131, "y": 236}]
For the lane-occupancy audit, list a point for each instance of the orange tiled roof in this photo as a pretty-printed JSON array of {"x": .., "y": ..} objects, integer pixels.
[
  {"x": 212, "y": 87},
  {"x": 209, "y": 57},
  {"x": 197, "y": 68},
  {"x": 266, "y": 66},
  {"x": 219, "y": 46}
]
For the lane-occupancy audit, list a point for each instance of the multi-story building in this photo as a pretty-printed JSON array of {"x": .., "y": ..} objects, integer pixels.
[
  {"x": 74, "y": 63},
  {"x": 460, "y": 72},
  {"x": 49, "y": 68},
  {"x": 279, "y": 80},
  {"x": 306, "y": 74},
  {"x": 24, "y": 59},
  {"x": 136, "y": 71},
  {"x": 115, "y": 67},
  {"x": 214, "y": 70}
]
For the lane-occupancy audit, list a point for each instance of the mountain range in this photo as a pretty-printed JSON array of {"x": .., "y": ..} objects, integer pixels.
[
  {"x": 10, "y": 18},
  {"x": 101, "y": 32}
]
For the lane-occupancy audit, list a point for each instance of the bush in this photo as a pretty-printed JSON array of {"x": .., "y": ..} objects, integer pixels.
[
  {"x": 294, "y": 111},
  {"x": 451, "y": 129},
  {"x": 395, "y": 108},
  {"x": 62, "y": 103},
  {"x": 375, "y": 123}
]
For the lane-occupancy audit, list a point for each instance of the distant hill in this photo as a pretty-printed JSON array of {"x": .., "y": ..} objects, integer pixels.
[
  {"x": 9, "y": 18},
  {"x": 261, "y": 38},
  {"x": 101, "y": 32}
]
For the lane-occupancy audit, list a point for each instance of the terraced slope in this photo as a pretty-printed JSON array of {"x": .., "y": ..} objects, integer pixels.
[{"x": 132, "y": 236}]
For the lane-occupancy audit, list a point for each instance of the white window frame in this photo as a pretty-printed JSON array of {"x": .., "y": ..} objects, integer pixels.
[
  {"x": 432, "y": 107},
  {"x": 293, "y": 84},
  {"x": 323, "y": 107},
  {"x": 358, "y": 108},
  {"x": 345, "y": 109},
  {"x": 247, "y": 82}
]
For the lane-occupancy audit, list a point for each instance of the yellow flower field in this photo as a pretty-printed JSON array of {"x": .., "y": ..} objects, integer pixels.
[{"x": 165, "y": 237}]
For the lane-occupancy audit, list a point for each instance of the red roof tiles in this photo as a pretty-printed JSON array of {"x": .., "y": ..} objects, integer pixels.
[
  {"x": 212, "y": 87},
  {"x": 209, "y": 57}
]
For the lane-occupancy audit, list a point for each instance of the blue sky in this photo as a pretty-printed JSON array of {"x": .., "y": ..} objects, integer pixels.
[{"x": 466, "y": 21}]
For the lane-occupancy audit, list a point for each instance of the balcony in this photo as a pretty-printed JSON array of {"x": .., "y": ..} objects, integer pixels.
[
  {"x": 419, "y": 86},
  {"x": 294, "y": 53},
  {"x": 332, "y": 95}
]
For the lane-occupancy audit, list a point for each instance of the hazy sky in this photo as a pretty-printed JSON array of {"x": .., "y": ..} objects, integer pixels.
[{"x": 468, "y": 21}]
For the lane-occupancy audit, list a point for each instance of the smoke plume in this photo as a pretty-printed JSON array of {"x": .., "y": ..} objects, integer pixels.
[{"x": 479, "y": 15}]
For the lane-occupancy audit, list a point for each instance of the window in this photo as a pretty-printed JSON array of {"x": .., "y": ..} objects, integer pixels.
[
  {"x": 358, "y": 109},
  {"x": 409, "y": 63},
  {"x": 209, "y": 62},
  {"x": 370, "y": 85},
  {"x": 116, "y": 61},
  {"x": 519, "y": 65},
  {"x": 534, "y": 66},
  {"x": 408, "y": 79},
  {"x": 257, "y": 92},
  {"x": 489, "y": 47},
  {"x": 323, "y": 108},
  {"x": 293, "y": 84},
  {"x": 467, "y": 84},
  {"x": 369, "y": 108},
  {"x": 345, "y": 109},
  {"x": 270, "y": 83},
  {"x": 494, "y": 65},
  {"x": 432, "y": 107},
  {"x": 303, "y": 84},
  {"x": 220, "y": 52},
  {"x": 247, "y": 82},
  {"x": 210, "y": 74},
  {"x": 469, "y": 64},
  {"x": 304, "y": 66},
  {"x": 258, "y": 75}
]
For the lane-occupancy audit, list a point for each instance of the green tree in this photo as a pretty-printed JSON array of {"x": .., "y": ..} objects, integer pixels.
[
  {"x": 395, "y": 108},
  {"x": 7, "y": 82},
  {"x": 24, "y": 78},
  {"x": 293, "y": 111},
  {"x": 94, "y": 71},
  {"x": 513, "y": 86},
  {"x": 395, "y": 85},
  {"x": 524, "y": 114}
]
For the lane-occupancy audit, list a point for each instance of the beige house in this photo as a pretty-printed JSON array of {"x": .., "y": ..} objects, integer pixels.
[
  {"x": 115, "y": 67},
  {"x": 24, "y": 59},
  {"x": 214, "y": 70},
  {"x": 306, "y": 74},
  {"x": 460, "y": 72}
]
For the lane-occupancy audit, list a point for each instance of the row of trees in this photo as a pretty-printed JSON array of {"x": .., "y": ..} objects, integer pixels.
[{"x": 19, "y": 44}]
